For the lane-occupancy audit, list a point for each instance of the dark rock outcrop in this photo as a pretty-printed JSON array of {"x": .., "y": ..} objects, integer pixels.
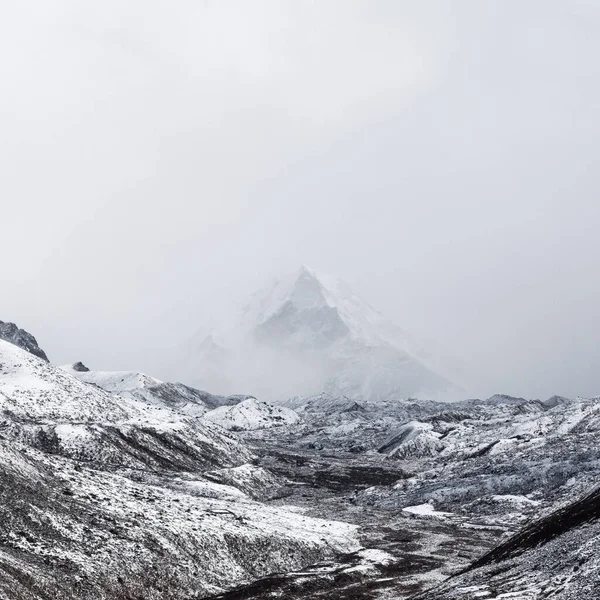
[
  {"x": 80, "y": 367},
  {"x": 19, "y": 337}
]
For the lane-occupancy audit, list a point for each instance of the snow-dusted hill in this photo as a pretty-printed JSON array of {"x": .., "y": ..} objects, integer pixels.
[
  {"x": 413, "y": 440},
  {"x": 309, "y": 332},
  {"x": 116, "y": 382},
  {"x": 252, "y": 414},
  {"x": 32, "y": 388},
  {"x": 51, "y": 409},
  {"x": 177, "y": 397}
]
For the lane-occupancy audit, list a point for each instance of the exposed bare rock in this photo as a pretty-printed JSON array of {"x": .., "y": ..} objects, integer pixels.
[{"x": 19, "y": 337}]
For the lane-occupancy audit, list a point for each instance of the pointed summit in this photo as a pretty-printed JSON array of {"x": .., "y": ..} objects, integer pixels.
[
  {"x": 309, "y": 332},
  {"x": 297, "y": 310},
  {"x": 306, "y": 270},
  {"x": 300, "y": 288},
  {"x": 322, "y": 304}
]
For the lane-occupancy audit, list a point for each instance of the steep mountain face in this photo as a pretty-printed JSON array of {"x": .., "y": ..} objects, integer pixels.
[
  {"x": 301, "y": 314},
  {"x": 309, "y": 332},
  {"x": 19, "y": 337}
]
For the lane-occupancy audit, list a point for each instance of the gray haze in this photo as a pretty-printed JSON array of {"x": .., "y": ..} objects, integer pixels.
[{"x": 162, "y": 159}]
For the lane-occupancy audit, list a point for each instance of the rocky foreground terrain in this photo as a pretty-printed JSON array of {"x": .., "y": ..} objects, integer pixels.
[
  {"x": 117, "y": 485},
  {"x": 478, "y": 499}
]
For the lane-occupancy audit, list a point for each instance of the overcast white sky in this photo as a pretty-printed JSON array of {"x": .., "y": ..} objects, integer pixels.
[{"x": 160, "y": 158}]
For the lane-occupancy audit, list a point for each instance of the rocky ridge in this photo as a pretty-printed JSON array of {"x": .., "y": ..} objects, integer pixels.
[{"x": 9, "y": 332}]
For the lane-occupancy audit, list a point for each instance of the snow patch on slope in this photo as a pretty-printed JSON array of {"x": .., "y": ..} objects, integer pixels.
[{"x": 426, "y": 510}]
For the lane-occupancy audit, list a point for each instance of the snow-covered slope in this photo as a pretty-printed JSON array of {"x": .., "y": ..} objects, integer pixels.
[
  {"x": 133, "y": 385},
  {"x": 69, "y": 531},
  {"x": 308, "y": 332},
  {"x": 252, "y": 414},
  {"x": 108, "y": 495},
  {"x": 53, "y": 410},
  {"x": 413, "y": 440},
  {"x": 32, "y": 388},
  {"x": 552, "y": 557},
  {"x": 115, "y": 382}
]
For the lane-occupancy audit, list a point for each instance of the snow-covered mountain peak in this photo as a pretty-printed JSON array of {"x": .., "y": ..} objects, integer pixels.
[
  {"x": 301, "y": 289},
  {"x": 308, "y": 332},
  {"x": 319, "y": 303}
]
